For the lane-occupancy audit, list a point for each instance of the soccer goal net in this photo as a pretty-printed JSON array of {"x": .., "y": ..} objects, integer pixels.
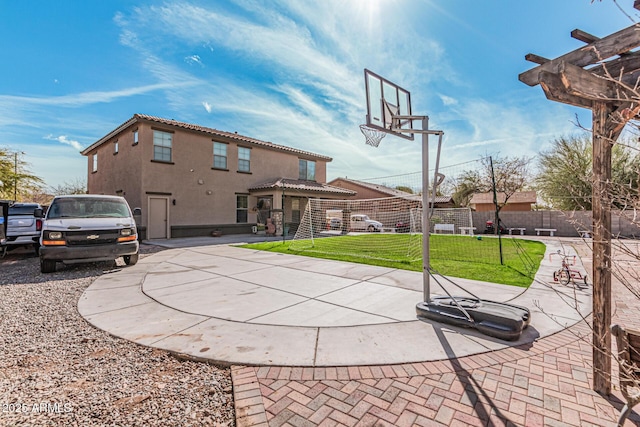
[{"x": 384, "y": 228}]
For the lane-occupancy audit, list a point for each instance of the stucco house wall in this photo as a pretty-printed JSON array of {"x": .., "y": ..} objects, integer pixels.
[{"x": 200, "y": 197}]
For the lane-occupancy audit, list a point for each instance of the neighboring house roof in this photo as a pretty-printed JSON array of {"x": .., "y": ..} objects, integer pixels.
[
  {"x": 518, "y": 197},
  {"x": 377, "y": 187},
  {"x": 202, "y": 129},
  {"x": 393, "y": 192},
  {"x": 300, "y": 185}
]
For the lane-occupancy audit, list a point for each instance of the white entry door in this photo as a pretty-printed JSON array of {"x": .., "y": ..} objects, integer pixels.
[{"x": 158, "y": 218}]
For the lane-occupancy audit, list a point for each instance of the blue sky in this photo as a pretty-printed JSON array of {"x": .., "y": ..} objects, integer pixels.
[{"x": 289, "y": 72}]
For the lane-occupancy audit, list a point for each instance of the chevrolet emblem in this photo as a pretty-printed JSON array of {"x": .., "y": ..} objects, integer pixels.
[{"x": 93, "y": 237}]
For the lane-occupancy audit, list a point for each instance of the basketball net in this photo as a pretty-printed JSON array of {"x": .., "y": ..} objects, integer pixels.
[{"x": 373, "y": 136}]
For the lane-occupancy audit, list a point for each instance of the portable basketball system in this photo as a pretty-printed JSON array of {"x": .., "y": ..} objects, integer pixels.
[{"x": 389, "y": 112}]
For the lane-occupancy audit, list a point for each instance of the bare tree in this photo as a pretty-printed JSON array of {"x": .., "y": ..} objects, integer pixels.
[
  {"x": 510, "y": 173},
  {"x": 76, "y": 186}
]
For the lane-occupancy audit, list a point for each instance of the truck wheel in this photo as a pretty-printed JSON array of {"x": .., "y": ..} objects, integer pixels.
[
  {"x": 371, "y": 229},
  {"x": 130, "y": 259},
  {"x": 47, "y": 266}
]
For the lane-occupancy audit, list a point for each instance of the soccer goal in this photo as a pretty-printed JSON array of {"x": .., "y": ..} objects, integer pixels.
[{"x": 384, "y": 228}]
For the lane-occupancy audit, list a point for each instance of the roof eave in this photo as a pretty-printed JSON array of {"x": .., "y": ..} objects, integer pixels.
[
  {"x": 203, "y": 130},
  {"x": 110, "y": 135}
]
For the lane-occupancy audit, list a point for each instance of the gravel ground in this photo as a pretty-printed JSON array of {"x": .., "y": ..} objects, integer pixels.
[{"x": 56, "y": 369}]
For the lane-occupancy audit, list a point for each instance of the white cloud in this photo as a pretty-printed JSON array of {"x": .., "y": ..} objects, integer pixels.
[
  {"x": 194, "y": 59},
  {"x": 287, "y": 44},
  {"x": 64, "y": 140},
  {"x": 448, "y": 100},
  {"x": 89, "y": 98},
  {"x": 297, "y": 80}
]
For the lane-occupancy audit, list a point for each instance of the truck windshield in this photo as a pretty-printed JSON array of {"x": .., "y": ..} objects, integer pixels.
[{"x": 87, "y": 208}]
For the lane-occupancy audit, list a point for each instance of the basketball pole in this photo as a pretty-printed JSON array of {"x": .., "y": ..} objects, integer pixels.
[
  {"x": 426, "y": 278},
  {"x": 426, "y": 192}
]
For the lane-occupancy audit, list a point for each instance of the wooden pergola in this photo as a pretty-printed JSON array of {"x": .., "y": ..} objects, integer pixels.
[{"x": 603, "y": 76}]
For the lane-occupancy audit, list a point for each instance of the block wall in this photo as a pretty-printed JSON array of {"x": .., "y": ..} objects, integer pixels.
[{"x": 567, "y": 224}]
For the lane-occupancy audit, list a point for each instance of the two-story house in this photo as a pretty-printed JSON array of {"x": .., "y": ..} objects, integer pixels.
[{"x": 191, "y": 180}]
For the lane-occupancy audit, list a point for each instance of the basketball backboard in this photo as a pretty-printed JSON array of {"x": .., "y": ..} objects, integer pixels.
[{"x": 385, "y": 100}]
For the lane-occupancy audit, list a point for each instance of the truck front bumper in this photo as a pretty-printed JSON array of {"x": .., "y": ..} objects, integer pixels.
[{"x": 71, "y": 254}]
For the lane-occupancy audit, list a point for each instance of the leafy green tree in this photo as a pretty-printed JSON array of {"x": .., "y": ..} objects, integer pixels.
[
  {"x": 16, "y": 181},
  {"x": 565, "y": 173},
  {"x": 468, "y": 183},
  {"x": 405, "y": 189},
  {"x": 6, "y": 175}
]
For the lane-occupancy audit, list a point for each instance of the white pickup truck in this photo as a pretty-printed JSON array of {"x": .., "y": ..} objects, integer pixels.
[
  {"x": 87, "y": 228},
  {"x": 361, "y": 222}
]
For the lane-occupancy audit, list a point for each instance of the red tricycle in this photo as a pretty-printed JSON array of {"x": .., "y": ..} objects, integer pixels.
[{"x": 565, "y": 273}]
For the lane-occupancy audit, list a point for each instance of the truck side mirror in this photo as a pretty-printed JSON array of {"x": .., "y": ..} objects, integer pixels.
[
  {"x": 38, "y": 213},
  {"x": 137, "y": 211}
]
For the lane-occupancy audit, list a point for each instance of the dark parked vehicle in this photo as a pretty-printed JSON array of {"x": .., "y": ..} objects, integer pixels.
[
  {"x": 334, "y": 223},
  {"x": 23, "y": 228},
  {"x": 402, "y": 227}
]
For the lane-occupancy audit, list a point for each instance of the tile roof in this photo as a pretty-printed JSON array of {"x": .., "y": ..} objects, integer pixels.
[
  {"x": 202, "y": 129},
  {"x": 300, "y": 185},
  {"x": 517, "y": 197},
  {"x": 392, "y": 191}
]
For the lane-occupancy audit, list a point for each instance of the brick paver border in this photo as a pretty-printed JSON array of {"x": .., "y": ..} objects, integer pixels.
[
  {"x": 545, "y": 383},
  {"x": 548, "y": 383}
]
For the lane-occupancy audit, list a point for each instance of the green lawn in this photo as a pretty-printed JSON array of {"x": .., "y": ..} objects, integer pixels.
[{"x": 457, "y": 256}]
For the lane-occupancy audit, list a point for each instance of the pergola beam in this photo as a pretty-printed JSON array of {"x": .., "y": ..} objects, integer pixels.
[
  {"x": 536, "y": 59},
  {"x": 598, "y": 51},
  {"x": 585, "y": 84},
  {"x": 583, "y": 36},
  {"x": 622, "y": 68},
  {"x": 553, "y": 88},
  {"x": 574, "y": 86}
]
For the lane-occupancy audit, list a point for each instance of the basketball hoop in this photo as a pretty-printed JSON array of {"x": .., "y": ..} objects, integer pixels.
[{"x": 373, "y": 136}]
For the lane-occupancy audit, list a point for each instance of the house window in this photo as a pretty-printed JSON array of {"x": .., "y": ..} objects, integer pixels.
[
  {"x": 135, "y": 137},
  {"x": 244, "y": 159},
  {"x": 162, "y": 146},
  {"x": 219, "y": 155},
  {"x": 115, "y": 147},
  {"x": 95, "y": 163},
  {"x": 242, "y": 208},
  {"x": 307, "y": 170}
]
